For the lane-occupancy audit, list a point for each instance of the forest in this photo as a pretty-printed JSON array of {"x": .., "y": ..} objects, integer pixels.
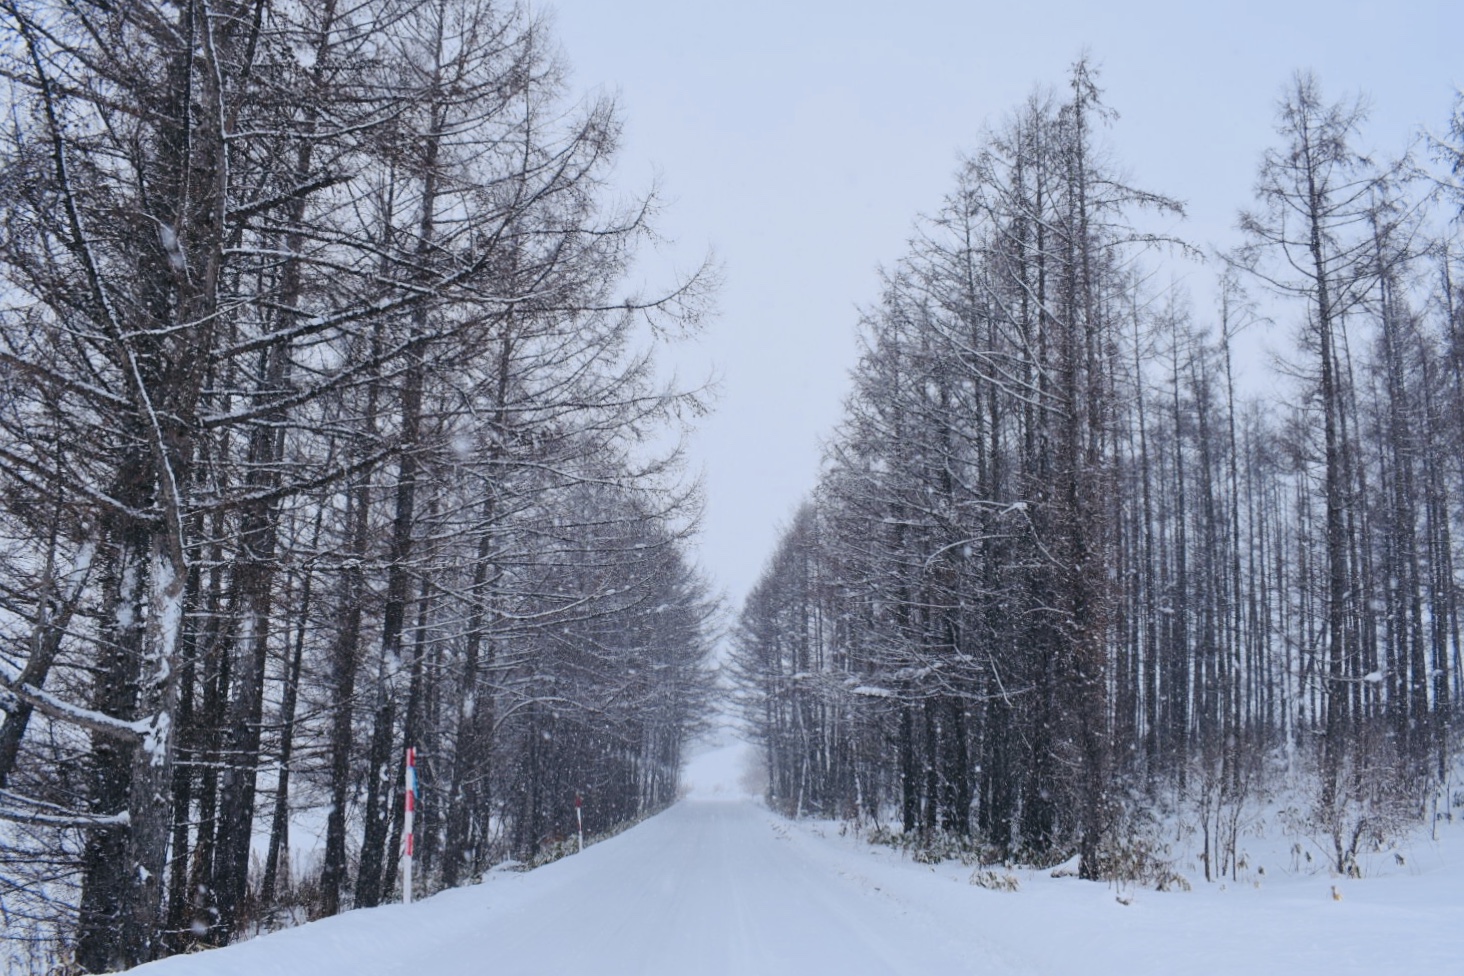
[
  {"x": 330, "y": 426},
  {"x": 1061, "y": 574},
  {"x": 335, "y": 427}
]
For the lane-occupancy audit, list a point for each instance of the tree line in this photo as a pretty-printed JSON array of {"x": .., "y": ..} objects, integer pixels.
[
  {"x": 329, "y": 428},
  {"x": 1057, "y": 567}
]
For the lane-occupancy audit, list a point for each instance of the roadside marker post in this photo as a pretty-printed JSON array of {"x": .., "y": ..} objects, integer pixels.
[
  {"x": 407, "y": 826},
  {"x": 579, "y": 817}
]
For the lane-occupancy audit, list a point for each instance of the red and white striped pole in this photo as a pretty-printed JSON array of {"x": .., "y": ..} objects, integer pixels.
[
  {"x": 579, "y": 817},
  {"x": 411, "y": 800}
]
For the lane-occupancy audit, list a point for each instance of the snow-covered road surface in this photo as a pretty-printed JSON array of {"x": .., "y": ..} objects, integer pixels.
[
  {"x": 723, "y": 886},
  {"x": 712, "y": 888},
  {"x": 717, "y": 888},
  {"x": 708, "y": 887}
]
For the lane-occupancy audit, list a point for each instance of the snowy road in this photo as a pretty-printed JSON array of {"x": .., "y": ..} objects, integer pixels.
[
  {"x": 714, "y": 888},
  {"x": 708, "y": 887},
  {"x": 721, "y": 886}
]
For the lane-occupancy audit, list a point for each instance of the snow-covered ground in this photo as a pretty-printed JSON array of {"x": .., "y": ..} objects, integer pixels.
[{"x": 718, "y": 884}]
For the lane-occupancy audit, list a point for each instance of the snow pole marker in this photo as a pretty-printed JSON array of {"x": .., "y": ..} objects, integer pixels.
[
  {"x": 407, "y": 826},
  {"x": 579, "y": 817}
]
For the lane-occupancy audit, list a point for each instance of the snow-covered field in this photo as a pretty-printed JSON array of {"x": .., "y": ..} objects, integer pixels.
[{"x": 718, "y": 884}]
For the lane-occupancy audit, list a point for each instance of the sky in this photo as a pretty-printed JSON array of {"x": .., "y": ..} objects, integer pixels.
[{"x": 798, "y": 141}]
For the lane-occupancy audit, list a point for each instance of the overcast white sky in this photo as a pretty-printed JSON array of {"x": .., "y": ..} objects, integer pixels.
[{"x": 798, "y": 140}]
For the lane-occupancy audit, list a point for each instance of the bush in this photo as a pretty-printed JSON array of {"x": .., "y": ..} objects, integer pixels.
[
  {"x": 935, "y": 847},
  {"x": 994, "y": 880}
]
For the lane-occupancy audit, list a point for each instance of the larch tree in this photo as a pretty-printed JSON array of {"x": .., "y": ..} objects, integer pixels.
[
  {"x": 1313, "y": 239},
  {"x": 297, "y": 298}
]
